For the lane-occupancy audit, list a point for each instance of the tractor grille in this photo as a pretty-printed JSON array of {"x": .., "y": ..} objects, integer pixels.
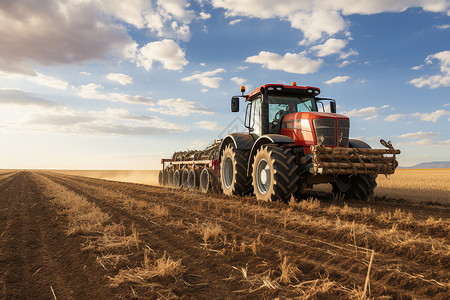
[
  {"x": 326, "y": 127},
  {"x": 343, "y": 129}
]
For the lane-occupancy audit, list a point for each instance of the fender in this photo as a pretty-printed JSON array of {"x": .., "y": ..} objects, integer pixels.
[
  {"x": 357, "y": 144},
  {"x": 266, "y": 139},
  {"x": 241, "y": 141}
]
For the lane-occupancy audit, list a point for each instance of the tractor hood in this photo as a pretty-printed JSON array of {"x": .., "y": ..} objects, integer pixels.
[{"x": 313, "y": 128}]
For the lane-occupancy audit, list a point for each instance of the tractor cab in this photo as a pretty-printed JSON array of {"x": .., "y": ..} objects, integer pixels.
[{"x": 296, "y": 112}]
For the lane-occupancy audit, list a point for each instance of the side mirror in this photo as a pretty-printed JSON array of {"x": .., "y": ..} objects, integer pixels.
[
  {"x": 235, "y": 104},
  {"x": 333, "y": 107}
]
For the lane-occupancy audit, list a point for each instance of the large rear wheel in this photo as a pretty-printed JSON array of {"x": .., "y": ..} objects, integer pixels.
[
  {"x": 274, "y": 174},
  {"x": 233, "y": 171}
]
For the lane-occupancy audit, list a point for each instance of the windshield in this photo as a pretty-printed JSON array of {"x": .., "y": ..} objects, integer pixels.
[{"x": 280, "y": 105}]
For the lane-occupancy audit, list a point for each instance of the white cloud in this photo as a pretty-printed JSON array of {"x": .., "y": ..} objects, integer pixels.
[
  {"x": 433, "y": 116},
  {"x": 429, "y": 117},
  {"x": 331, "y": 46},
  {"x": 123, "y": 79},
  {"x": 320, "y": 18},
  {"x": 368, "y": 112},
  {"x": 338, "y": 79},
  {"x": 206, "y": 78},
  {"x": 90, "y": 91},
  {"x": 204, "y": 90},
  {"x": 438, "y": 80},
  {"x": 238, "y": 80},
  {"x": 209, "y": 125},
  {"x": 85, "y": 73},
  {"x": 344, "y": 63},
  {"x": 443, "y": 27},
  {"x": 168, "y": 18},
  {"x": 38, "y": 78},
  {"x": 417, "y": 68},
  {"x": 44, "y": 33},
  {"x": 395, "y": 117},
  {"x": 290, "y": 62},
  {"x": 235, "y": 21},
  {"x": 204, "y": 16},
  {"x": 167, "y": 52},
  {"x": 179, "y": 107},
  {"x": 416, "y": 135}
]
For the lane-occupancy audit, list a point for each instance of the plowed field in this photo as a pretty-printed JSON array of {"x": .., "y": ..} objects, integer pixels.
[{"x": 72, "y": 237}]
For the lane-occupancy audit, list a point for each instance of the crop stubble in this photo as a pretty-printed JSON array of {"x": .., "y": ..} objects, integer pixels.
[{"x": 202, "y": 246}]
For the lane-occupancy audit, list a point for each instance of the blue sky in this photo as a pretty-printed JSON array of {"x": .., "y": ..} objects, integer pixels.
[{"x": 109, "y": 84}]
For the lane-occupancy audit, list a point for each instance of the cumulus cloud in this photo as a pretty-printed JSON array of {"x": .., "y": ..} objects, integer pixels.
[
  {"x": 290, "y": 62},
  {"x": 91, "y": 91},
  {"x": 344, "y": 64},
  {"x": 443, "y": 27},
  {"x": 44, "y": 33},
  {"x": 238, "y": 80},
  {"x": 122, "y": 79},
  {"x": 235, "y": 21},
  {"x": 367, "y": 112},
  {"x": 168, "y": 18},
  {"x": 438, "y": 80},
  {"x": 179, "y": 107},
  {"x": 204, "y": 16},
  {"x": 338, "y": 79},
  {"x": 429, "y": 117},
  {"x": 166, "y": 52},
  {"x": 433, "y": 116},
  {"x": 209, "y": 125},
  {"x": 395, "y": 117},
  {"x": 331, "y": 46},
  {"x": 321, "y": 18},
  {"x": 206, "y": 78}
]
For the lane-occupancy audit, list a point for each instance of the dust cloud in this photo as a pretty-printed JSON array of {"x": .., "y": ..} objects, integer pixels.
[{"x": 149, "y": 177}]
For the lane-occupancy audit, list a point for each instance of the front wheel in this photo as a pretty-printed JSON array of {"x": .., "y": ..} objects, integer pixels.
[{"x": 274, "y": 174}]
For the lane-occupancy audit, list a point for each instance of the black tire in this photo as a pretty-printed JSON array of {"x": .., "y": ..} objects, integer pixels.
[
  {"x": 184, "y": 178},
  {"x": 165, "y": 177},
  {"x": 233, "y": 172},
  {"x": 193, "y": 179},
  {"x": 208, "y": 181},
  {"x": 359, "y": 187},
  {"x": 160, "y": 177},
  {"x": 274, "y": 174},
  {"x": 170, "y": 178},
  {"x": 177, "y": 178}
]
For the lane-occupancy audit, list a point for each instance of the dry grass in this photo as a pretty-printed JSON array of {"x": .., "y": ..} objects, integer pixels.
[
  {"x": 416, "y": 185},
  {"x": 152, "y": 267}
]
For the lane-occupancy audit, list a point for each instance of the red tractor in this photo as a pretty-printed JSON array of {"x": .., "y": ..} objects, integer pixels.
[{"x": 290, "y": 145}]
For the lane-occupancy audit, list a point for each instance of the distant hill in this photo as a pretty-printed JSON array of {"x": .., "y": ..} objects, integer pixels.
[{"x": 430, "y": 165}]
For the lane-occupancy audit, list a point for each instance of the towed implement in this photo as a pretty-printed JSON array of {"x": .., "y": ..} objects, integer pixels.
[{"x": 290, "y": 146}]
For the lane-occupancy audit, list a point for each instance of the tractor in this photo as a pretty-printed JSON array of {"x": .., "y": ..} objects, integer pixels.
[{"x": 291, "y": 144}]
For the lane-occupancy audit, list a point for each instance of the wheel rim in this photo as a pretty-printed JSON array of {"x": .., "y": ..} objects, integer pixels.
[
  {"x": 227, "y": 172},
  {"x": 263, "y": 176}
]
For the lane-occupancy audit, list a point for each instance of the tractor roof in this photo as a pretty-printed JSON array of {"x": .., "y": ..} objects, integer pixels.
[{"x": 281, "y": 88}]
